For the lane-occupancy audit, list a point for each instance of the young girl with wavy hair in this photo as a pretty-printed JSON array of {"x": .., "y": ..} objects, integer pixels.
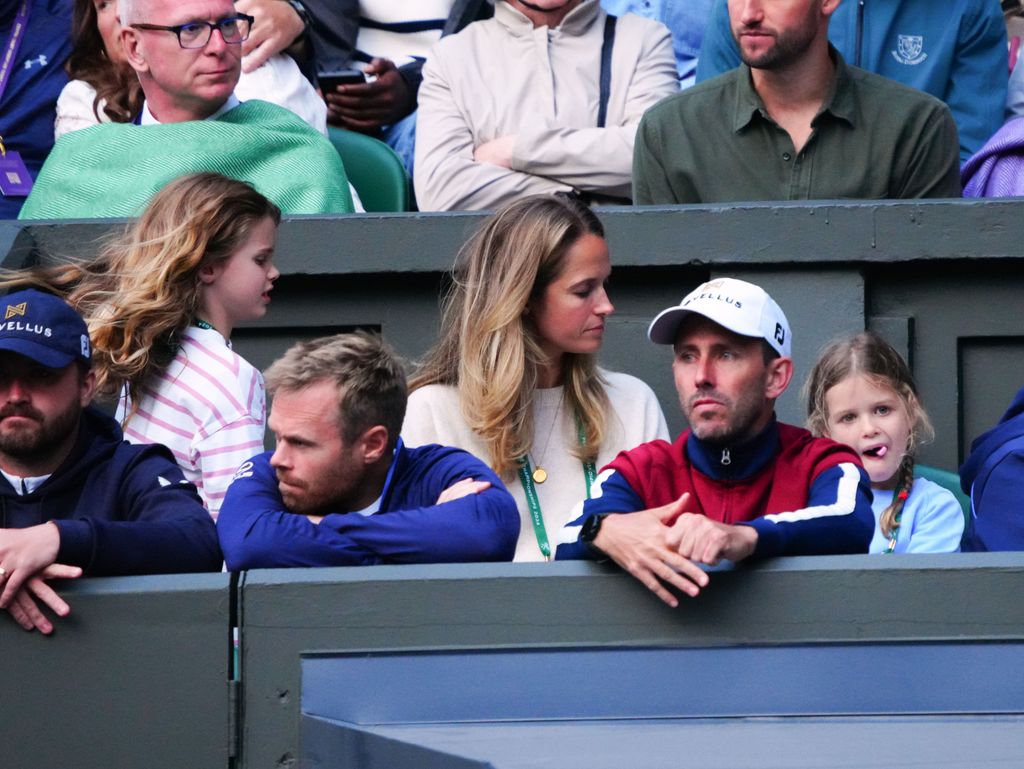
[
  {"x": 514, "y": 376},
  {"x": 861, "y": 393},
  {"x": 161, "y": 302}
]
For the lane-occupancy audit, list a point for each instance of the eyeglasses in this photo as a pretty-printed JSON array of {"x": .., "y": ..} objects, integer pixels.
[{"x": 196, "y": 34}]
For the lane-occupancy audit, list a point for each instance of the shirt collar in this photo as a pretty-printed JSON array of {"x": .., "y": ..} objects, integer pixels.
[
  {"x": 374, "y": 507},
  {"x": 839, "y": 101},
  {"x": 146, "y": 117},
  {"x": 736, "y": 462},
  {"x": 25, "y": 486},
  {"x": 576, "y": 22}
]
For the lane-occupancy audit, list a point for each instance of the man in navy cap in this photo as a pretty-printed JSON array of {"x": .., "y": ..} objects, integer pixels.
[{"x": 74, "y": 496}]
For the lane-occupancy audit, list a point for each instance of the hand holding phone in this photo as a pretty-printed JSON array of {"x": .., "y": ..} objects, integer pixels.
[
  {"x": 329, "y": 81},
  {"x": 384, "y": 98}
]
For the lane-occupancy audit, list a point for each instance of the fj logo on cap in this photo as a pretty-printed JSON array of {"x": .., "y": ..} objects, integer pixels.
[
  {"x": 780, "y": 333},
  {"x": 15, "y": 309}
]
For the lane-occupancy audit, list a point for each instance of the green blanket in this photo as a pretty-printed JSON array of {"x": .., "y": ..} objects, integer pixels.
[{"x": 113, "y": 169}]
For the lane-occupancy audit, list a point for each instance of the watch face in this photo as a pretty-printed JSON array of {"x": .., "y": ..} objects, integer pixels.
[{"x": 590, "y": 528}]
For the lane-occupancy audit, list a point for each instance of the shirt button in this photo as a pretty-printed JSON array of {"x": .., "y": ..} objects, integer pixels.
[{"x": 786, "y": 156}]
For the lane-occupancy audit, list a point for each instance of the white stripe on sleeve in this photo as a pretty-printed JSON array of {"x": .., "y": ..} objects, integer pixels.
[{"x": 845, "y": 502}]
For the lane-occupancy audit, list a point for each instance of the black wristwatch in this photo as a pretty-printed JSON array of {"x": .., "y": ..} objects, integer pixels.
[
  {"x": 300, "y": 9},
  {"x": 591, "y": 527}
]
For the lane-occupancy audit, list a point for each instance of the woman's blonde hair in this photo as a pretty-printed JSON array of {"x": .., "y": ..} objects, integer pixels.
[
  {"x": 868, "y": 355},
  {"x": 143, "y": 289},
  {"x": 488, "y": 347}
]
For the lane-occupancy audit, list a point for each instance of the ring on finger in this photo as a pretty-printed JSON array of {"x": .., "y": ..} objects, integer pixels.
[{"x": 3, "y": 572}]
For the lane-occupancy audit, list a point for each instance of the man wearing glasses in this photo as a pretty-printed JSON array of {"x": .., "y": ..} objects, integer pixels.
[
  {"x": 189, "y": 65},
  {"x": 187, "y": 55}
]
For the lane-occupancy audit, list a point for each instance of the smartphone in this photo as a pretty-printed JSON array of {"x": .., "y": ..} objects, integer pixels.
[{"x": 329, "y": 81}]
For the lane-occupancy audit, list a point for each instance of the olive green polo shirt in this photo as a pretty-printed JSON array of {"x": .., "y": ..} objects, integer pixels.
[{"x": 873, "y": 138}]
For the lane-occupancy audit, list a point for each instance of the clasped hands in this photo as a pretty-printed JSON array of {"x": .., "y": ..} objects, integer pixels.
[{"x": 662, "y": 546}]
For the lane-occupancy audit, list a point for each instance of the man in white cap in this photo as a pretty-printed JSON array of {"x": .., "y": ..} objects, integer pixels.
[{"x": 737, "y": 483}]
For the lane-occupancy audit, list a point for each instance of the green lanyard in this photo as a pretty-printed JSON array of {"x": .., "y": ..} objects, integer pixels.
[{"x": 532, "y": 501}]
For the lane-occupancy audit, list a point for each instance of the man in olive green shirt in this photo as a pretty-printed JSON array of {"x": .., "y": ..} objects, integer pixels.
[{"x": 794, "y": 122}]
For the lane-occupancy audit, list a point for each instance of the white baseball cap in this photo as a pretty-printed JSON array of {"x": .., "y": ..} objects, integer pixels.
[{"x": 741, "y": 307}]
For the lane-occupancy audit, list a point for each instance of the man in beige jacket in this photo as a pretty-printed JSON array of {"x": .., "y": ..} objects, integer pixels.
[{"x": 509, "y": 106}]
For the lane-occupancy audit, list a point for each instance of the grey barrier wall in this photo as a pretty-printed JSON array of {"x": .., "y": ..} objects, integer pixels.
[
  {"x": 138, "y": 675},
  {"x": 292, "y": 615},
  {"x": 941, "y": 279}
]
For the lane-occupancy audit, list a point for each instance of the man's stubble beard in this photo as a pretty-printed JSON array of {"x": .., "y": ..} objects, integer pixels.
[
  {"x": 790, "y": 46},
  {"x": 29, "y": 445}
]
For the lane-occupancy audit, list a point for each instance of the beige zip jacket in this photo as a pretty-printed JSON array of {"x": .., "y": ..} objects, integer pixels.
[{"x": 502, "y": 76}]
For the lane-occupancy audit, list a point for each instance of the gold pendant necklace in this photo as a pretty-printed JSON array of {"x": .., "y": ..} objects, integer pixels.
[{"x": 539, "y": 473}]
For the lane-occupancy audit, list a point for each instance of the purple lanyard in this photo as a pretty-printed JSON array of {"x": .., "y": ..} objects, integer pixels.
[{"x": 13, "y": 44}]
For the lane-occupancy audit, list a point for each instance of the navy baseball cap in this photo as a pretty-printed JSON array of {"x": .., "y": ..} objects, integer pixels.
[{"x": 44, "y": 328}]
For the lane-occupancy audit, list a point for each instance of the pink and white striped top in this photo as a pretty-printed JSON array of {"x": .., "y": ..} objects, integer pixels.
[{"x": 208, "y": 407}]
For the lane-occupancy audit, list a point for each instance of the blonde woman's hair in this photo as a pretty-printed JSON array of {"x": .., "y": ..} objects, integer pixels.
[
  {"x": 868, "y": 355},
  {"x": 488, "y": 347},
  {"x": 143, "y": 289}
]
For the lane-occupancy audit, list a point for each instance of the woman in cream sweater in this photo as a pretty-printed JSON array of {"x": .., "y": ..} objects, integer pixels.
[{"x": 514, "y": 378}]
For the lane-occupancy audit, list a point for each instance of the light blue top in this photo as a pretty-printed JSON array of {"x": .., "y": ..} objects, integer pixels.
[
  {"x": 685, "y": 19},
  {"x": 932, "y": 520}
]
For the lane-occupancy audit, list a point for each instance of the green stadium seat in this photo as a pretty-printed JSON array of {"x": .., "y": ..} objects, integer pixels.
[
  {"x": 946, "y": 480},
  {"x": 374, "y": 169}
]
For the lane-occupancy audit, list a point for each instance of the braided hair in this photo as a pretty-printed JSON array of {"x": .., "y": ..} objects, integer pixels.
[{"x": 868, "y": 355}]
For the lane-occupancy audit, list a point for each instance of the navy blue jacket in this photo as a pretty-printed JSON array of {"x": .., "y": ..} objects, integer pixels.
[
  {"x": 257, "y": 531},
  {"x": 994, "y": 477},
  {"x": 120, "y": 508},
  {"x": 28, "y": 105}
]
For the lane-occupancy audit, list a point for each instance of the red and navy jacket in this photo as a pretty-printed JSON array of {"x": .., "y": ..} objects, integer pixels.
[{"x": 804, "y": 495}]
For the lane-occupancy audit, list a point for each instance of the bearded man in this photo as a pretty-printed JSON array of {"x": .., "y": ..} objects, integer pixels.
[
  {"x": 794, "y": 122},
  {"x": 75, "y": 496},
  {"x": 342, "y": 489},
  {"x": 738, "y": 483}
]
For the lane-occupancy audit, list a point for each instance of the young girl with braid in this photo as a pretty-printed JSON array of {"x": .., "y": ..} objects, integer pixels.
[{"x": 861, "y": 393}]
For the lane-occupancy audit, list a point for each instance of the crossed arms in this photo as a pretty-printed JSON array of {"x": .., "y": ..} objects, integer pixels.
[{"x": 422, "y": 523}]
